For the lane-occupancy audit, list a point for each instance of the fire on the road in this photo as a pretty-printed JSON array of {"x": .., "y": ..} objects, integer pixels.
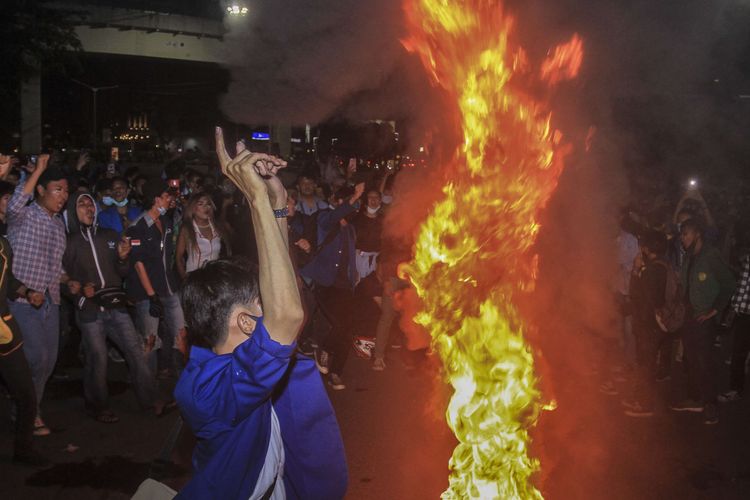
[{"x": 474, "y": 254}]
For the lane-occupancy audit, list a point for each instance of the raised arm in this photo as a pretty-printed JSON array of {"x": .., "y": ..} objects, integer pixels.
[
  {"x": 22, "y": 194},
  {"x": 282, "y": 307},
  {"x": 41, "y": 166},
  {"x": 383, "y": 182}
]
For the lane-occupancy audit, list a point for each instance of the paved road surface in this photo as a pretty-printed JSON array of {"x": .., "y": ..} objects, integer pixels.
[{"x": 398, "y": 446}]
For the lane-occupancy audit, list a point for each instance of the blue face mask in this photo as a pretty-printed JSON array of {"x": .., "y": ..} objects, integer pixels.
[
  {"x": 120, "y": 204},
  {"x": 108, "y": 201}
]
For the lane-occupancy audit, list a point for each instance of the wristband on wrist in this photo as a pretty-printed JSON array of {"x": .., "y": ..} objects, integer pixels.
[{"x": 281, "y": 213}]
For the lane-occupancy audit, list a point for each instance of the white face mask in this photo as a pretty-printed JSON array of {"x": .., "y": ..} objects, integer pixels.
[
  {"x": 387, "y": 199},
  {"x": 161, "y": 210},
  {"x": 373, "y": 211}
]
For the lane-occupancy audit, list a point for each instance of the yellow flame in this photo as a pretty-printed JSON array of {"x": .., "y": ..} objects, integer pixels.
[{"x": 473, "y": 255}]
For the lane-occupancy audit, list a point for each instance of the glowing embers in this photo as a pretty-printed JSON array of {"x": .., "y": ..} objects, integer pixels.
[{"x": 473, "y": 257}]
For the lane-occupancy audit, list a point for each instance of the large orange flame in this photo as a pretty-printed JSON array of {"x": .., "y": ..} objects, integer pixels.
[{"x": 473, "y": 257}]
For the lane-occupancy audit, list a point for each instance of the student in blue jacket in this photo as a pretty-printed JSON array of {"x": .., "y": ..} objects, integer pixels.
[{"x": 264, "y": 424}]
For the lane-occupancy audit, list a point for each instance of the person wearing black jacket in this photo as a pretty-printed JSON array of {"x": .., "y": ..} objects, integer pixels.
[
  {"x": 152, "y": 282},
  {"x": 648, "y": 293},
  {"x": 14, "y": 368},
  {"x": 96, "y": 260},
  {"x": 333, "y": 271}
]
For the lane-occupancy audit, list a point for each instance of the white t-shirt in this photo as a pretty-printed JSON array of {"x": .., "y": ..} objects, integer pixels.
[
  {"x": 273, "y": 467},
  {"x": 206, "y": 250}
]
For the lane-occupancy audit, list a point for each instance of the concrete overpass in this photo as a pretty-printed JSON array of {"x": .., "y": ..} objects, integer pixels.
[{"x": 111, "y": 30}]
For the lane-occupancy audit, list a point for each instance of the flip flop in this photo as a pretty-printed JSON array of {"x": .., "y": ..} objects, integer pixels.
[{"x": 107, "y": 417}]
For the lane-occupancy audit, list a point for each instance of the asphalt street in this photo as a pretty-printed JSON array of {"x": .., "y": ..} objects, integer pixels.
[{"x": 398, "y": 445}]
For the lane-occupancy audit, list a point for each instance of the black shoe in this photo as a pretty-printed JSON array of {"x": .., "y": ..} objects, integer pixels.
[
  {"x": 688, "y": 405},
  {"x": 711, "y": 415},
  {"x": 31, "y": 459}
]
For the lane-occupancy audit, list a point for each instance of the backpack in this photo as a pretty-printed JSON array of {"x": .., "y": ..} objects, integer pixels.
[{"x": 671, "y": 316}]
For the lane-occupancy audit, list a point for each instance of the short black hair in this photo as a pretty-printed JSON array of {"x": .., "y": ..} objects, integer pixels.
[
  {"x": 655, "y": 242},
  {"x": 153, "y": 188},
  {"x": 119, "y": 178},
  {"x": 686, "y": 211},
  {"x": 51, "y": 174},
  {"x": 103, "y": 184},
  {"x": 211, "y": 293}
]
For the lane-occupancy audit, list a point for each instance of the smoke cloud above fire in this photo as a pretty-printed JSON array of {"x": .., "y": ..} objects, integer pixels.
[{"x": 305, "y": 62}]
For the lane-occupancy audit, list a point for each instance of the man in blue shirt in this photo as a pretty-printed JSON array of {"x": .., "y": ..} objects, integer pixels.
[
  {"x": 265, "y": 427},
  {"x": 333, "y": 270},
  {"x": 119, "y": 213}
]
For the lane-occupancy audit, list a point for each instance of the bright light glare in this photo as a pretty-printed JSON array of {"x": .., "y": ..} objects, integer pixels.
[{"x": 237, "y": 10}]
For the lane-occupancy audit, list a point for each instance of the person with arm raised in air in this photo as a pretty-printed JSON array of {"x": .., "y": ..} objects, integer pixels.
[{"x": 264, "y": 424}]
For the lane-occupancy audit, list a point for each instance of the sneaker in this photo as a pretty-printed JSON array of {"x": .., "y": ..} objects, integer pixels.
[
  {"x": 378, "y": 365},
  {"x": 363, "y": 347},
  {"x": 321, "y": 361},
  {"x": 336, "y": 383},
  {"x": 609, "y": 389},
  {"x": 40, "y": 429},
  {"x": 31, "y": 458},
  {"x": 688, "y": 405},
  {"x": 639, "y": 411},
  {"x": 729, "y": 397},
  {"x": 711, "y": 415}
]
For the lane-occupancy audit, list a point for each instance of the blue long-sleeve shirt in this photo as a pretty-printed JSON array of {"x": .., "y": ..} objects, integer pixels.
[{"x": 227, "y": 400}]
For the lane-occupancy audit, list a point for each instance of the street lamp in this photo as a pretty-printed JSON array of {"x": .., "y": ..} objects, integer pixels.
[{"x": 94, "y": 91}]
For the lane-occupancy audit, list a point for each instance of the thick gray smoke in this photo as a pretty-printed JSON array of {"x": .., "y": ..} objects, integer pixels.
[{"x": 302, "y": 62}]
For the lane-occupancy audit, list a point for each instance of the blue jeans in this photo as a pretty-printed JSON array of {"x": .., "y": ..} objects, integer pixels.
[
  {"x": 149, "y": 326},
  {"x": 116, "y": 325},
  {"x": 41, "y": 335}
]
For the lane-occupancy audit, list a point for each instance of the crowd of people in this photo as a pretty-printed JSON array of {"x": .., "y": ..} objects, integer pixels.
[
  {"x": 683, "y": 293},
  {"x": 106, "y": 250}
]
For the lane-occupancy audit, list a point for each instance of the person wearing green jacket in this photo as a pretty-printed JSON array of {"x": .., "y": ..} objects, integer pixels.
[{"x": 708, "y": 284}]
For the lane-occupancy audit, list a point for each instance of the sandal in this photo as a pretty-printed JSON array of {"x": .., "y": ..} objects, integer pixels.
[{"x": 106, "y": 417}]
